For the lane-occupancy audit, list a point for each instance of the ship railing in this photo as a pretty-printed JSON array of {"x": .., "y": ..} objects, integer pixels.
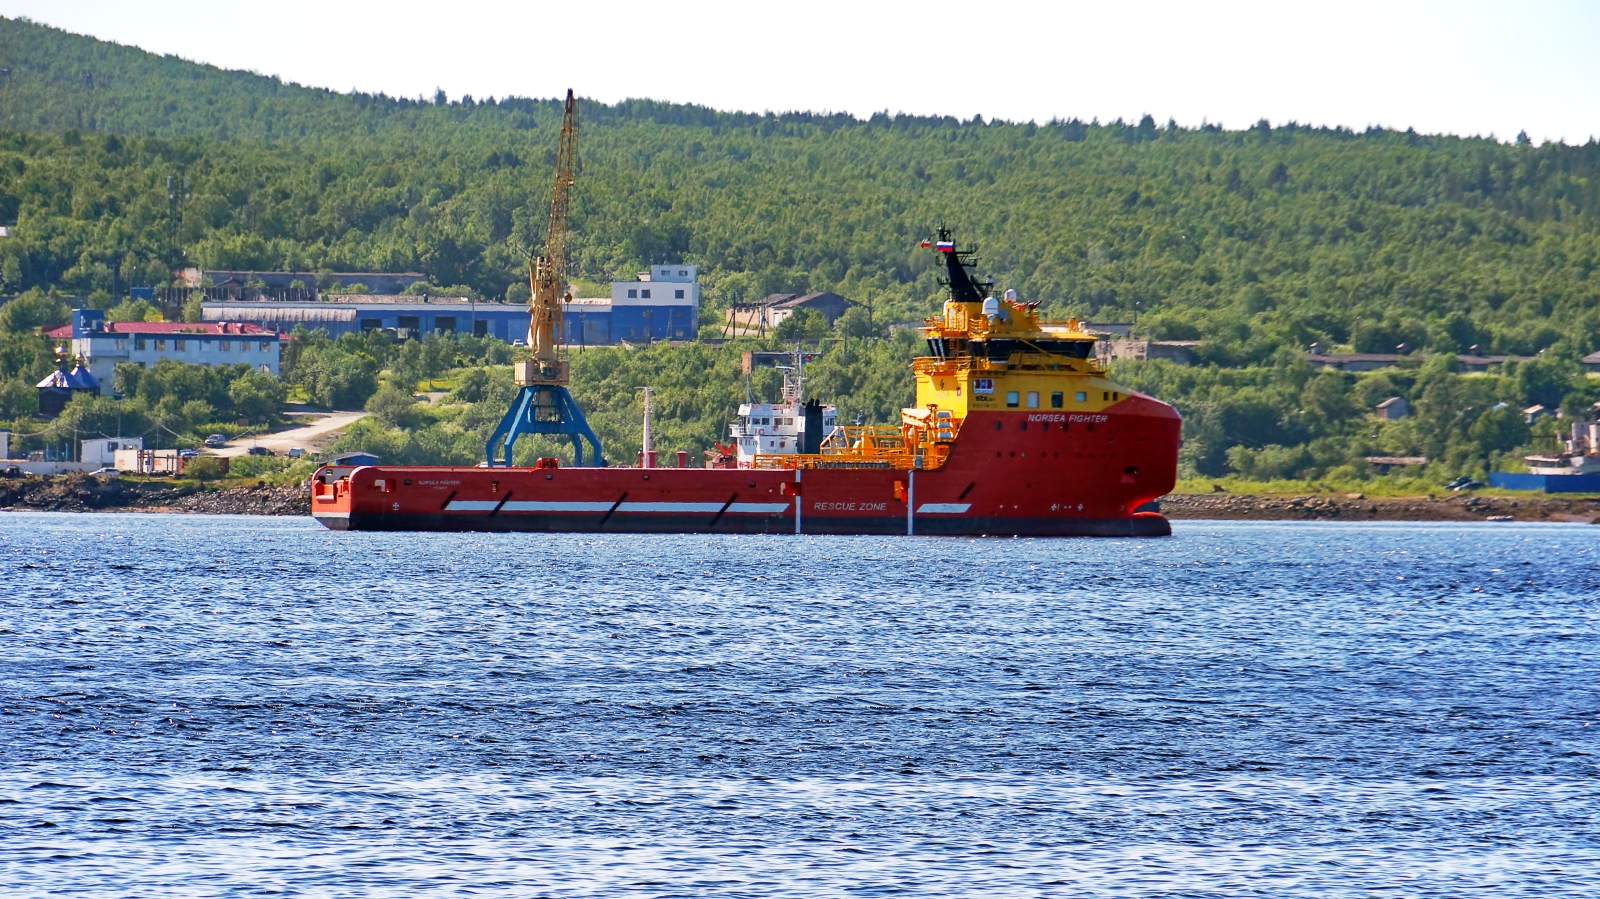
[
  {"x": 1026, "y": 361},
  {"x": 903, "y": 447}
]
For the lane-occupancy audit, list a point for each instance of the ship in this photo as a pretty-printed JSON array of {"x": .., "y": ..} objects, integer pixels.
[
  {"x": 1579, "y": 456},
  {"x": 1017, "y": 430},
  {"x": 782, "y": 428}
]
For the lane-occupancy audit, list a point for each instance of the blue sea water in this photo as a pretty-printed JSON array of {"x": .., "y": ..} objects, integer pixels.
[{"x": 217, "y": 706}]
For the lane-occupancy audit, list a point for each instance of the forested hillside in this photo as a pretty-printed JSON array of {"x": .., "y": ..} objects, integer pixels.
[{"x": 1257, "y": 241}]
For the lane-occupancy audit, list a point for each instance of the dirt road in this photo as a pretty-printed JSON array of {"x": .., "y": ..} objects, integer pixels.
[{"x": 319, "y": 429}]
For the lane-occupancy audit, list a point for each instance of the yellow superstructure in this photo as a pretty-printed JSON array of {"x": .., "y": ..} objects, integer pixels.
[
  {"x": 989, "y": 356},
  {"x": 1007, "y": 358}
]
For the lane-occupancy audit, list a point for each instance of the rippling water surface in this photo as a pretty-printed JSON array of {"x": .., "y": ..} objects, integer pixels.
[{"x": 217, "y": 706}]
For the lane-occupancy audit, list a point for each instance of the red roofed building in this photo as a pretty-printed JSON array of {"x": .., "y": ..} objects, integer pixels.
[{"x": 103, "y": 344}]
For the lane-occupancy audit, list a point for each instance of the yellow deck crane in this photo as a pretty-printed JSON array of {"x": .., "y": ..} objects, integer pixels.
[{"x": 543, "y": 404}]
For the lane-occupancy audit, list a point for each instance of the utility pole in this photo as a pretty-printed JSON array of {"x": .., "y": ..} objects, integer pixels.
[{"x": 647, "y": 453}]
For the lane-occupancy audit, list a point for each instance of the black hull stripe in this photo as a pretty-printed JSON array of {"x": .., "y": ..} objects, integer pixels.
[{"x": 1140, "y": 526}]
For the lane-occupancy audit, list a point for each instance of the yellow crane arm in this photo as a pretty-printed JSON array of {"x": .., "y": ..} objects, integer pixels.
[{"x": 547, "y": 273}]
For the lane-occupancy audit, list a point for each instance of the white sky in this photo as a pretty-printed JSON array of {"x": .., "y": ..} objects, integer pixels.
[{"x": 1464, "y": 67}]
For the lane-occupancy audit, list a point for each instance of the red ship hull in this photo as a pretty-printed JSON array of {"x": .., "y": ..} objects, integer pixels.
[{"x": 1008, "y": 473}]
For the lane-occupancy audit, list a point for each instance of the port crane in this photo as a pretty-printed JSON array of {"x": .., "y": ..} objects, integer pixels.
[{"x": 543, "y": 404}]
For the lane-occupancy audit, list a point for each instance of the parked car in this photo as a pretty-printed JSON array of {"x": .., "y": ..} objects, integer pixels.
[
  {"x": 259, "y": 451},
  {"x": 1464, "y": 483},
  {"x": 188, "y": 453},
  {"x": 105, "y": 473},
  {"x": 12, "y": 471},
  {"x": 296, "y": 452},
  {"x": 216, "y": 441}
]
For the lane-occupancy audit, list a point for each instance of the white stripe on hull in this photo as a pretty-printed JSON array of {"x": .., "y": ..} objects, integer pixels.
[
  {"x": 465, "y": 505},
  {"x": 943, "y": 508}
]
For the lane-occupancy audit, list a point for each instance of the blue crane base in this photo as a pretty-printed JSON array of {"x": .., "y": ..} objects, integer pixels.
[{"x": 543, "y": 409}]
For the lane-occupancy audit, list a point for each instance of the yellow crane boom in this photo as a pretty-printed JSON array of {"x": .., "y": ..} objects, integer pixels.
[
  {"x": 543, "y": 404},
  {"x": 547, "y": 274}
]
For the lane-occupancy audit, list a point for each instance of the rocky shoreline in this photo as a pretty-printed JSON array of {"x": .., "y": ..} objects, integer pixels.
[
  {"x": 1356, "y": 507},
  {"x": 80, "y": 493}
]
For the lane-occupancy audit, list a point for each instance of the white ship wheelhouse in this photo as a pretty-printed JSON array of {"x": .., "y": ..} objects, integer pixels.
[{"x": 769, "y": 429}]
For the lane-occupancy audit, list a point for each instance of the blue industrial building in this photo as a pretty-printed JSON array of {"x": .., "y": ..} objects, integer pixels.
[
  {"x": 406, "y": 316},
  {"x": 661, "y": 304}
]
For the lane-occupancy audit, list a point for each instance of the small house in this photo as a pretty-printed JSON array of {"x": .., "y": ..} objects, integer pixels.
[
  {"x": 826, "y": 304},
  {"x": 1534, "y": 413},
  {"x": 1382, "y": 464},
  {"x": 1352, "y": 361},
  {"x": 1394, "y": 408},
  {"x": 103, "y": 451}
]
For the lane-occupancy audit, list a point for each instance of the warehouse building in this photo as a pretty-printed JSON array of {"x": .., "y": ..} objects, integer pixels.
[
  {"x": 660, "y": 304},
  {"x": 407, "y": 317}
]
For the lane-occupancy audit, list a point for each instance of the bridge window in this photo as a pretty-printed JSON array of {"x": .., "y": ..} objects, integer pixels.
[
  {"x": 1033, "y": 399},
  {"x": 1011, "y": 399},
  {"x": 1055, "y": 400}
]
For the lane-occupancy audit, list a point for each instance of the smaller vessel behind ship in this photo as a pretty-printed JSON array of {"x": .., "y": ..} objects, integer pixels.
[{"x": 788, "y": 427}]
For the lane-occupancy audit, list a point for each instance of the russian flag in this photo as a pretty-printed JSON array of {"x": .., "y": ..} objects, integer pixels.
[{"x": 945, "y": 246}]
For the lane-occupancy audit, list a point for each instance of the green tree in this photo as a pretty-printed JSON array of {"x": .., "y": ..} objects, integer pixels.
[
  {"x": 125, "y": 378},
  {"x": 133, "y": 311},
  {"x": 193, "y": 307},
  {"x": 32, "y": 310},
  {"x": 857, "y": 322},
  {"x": 805, "y": 324},
  {"x": 18, "y": 398},
  {"x": 410, "y": 366},
  {"x": 438, "y": 356},
  {"x": 1546, "y": 380},
  {"x": 394, "y": 408},
  {"x": 256, "y": 396},
  {"x": 204, "y": 468},
  {"x": 472, "y": 387},
  {"x": 1499, "y": 430}
]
